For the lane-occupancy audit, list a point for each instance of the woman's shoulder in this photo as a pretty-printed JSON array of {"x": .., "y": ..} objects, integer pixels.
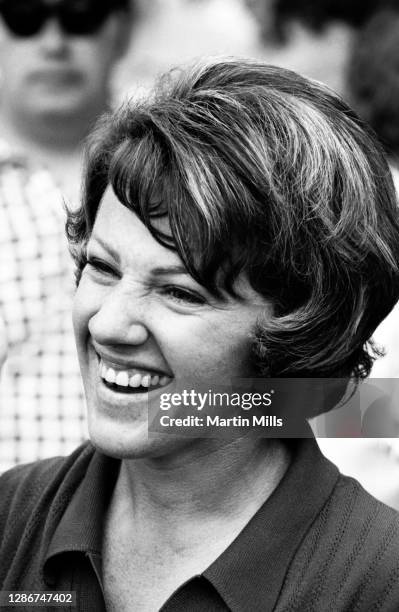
[
  {"x": 28, "y": 493},
  {"x": 360, "y": 532},
  {"x": 33, "y": 478},
  {"x": 356, "y": 508},
  {"x": 349, "y": 554}
]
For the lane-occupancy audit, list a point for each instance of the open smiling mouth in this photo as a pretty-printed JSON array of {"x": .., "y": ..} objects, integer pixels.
[{"x": 132, "y": 380}]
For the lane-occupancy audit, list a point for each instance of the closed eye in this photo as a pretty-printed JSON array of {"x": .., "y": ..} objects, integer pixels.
[
  {"x": 98, "y": 265},
  {"x": 179, "y": 294}
]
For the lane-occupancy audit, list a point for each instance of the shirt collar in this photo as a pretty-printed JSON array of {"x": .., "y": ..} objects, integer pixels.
[
  {"x": 250, "y": 573},
  {"x": 81, "y": 525}
]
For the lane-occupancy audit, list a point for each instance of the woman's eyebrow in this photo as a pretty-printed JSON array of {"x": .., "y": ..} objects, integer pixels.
[
  {"x": 164, "y": 270},
  {"x": 106, "y": 247}
]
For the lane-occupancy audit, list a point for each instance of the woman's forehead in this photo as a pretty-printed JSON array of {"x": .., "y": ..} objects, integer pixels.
[
  {"x": 122, "y": 233},
  {"x": 125, "y": 234}
]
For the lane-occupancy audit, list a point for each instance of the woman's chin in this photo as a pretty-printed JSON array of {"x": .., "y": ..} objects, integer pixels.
[{"x": 132, "y": 441}]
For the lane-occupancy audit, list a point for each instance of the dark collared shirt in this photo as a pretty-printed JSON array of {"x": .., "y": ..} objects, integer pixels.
[{"x": 320, "y": 542}]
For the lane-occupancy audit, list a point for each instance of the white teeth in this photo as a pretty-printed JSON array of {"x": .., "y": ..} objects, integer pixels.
[
  {"x": 146, "y": 380},
  {"x": 135, "y": 380},
  {"x": 110, "y": 375},
  {"x": 122, "y": 379}
]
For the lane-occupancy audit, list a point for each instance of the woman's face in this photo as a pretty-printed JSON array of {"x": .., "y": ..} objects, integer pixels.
[{"x": 142, "y": 321}]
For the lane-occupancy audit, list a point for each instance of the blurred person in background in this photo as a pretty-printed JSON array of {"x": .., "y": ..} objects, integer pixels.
[
  {"x": 56, "y": 63},
  {"x": 311, "y": 36},
  {"x": 372, "y": 81},
  {"x": 317, "y": 15}
]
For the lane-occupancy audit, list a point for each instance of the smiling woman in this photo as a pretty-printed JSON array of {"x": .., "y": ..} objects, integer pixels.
[
  {"x": 139, "y": 319},
  {"x": 241, "y": 222}
]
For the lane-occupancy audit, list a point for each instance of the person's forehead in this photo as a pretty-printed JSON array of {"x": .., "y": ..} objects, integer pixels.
[{"x": 118, "y": 226}]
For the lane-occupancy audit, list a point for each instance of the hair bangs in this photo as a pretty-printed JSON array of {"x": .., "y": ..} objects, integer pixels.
[{"x": 147, "y": 178}]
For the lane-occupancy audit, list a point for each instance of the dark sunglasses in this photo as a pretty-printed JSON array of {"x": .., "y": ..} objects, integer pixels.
[{"x": 76, "y": 17}]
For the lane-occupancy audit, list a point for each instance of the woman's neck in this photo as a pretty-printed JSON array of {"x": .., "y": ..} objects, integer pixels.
[
  {"x": 169, "y": 520},
  {"x": 213, "y": 479}
]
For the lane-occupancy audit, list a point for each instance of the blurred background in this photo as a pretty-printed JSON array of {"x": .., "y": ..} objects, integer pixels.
[
  {"x": 170, "y": 32},
  {"x": 350, "y": 45}
]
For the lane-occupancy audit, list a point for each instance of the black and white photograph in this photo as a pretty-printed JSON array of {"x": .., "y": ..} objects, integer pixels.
[{"x": 199, "y": 305}]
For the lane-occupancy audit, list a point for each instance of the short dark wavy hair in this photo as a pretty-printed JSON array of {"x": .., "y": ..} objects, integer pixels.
[{"x": 265, "y": 173}]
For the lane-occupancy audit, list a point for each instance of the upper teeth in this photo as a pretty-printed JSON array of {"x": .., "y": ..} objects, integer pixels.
[{"x": 131, "y": 378}]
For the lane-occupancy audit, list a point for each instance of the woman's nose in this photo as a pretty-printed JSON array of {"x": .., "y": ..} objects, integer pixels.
[{"x": 119, "y": 320}]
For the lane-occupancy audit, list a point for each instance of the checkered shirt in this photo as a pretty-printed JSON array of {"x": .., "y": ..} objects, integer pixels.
[{"x": 41, "y": 398}]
